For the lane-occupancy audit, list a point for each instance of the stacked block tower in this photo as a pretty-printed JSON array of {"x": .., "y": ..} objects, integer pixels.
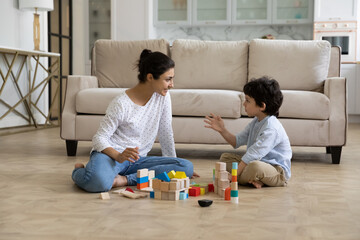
[
  {"x": 144, "y": 178},
  {"x": 170, "y": 186},
  {"x": 234, "y": 193},
  {"x": 221, "y": 179}
]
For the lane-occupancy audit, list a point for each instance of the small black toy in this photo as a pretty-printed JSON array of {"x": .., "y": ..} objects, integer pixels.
[{"x": 205, "y": 202}]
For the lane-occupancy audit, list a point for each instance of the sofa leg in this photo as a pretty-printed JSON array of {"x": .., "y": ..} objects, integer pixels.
[
  {"x": 328, "y": 150},
  {"x": 71, "y": 147},
  {"x": 335, "y": 154}
]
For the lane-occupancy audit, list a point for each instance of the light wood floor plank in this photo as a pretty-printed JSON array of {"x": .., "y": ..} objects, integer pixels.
[{"x": 38, "y": 199}]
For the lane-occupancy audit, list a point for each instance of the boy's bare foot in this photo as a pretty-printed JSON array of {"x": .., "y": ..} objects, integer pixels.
[
  {"x": 257, "y": 184},
  {"x": 120, "y": 181},
  {"x": 79, "y": 165}
]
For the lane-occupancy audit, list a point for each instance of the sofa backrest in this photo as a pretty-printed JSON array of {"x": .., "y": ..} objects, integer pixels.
[
  {"x": 210, "y": 64},
  {"x": 295, "y": 64},
  {"x": 114, "y": 62}
]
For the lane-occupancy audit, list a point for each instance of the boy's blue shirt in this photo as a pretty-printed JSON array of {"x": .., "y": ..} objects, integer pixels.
[{"x": 266, "y": 141}]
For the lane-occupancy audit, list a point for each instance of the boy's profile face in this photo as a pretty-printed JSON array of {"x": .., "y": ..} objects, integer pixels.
[{"x": 252, "y": 109}]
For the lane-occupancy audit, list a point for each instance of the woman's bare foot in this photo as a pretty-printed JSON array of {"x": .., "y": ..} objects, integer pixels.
[
  {"x": 120, "y": 181},
  {"x": 257, "y": 184},
  {"x": 195, "y": 175},
  {"x": 79, "y": 165}
]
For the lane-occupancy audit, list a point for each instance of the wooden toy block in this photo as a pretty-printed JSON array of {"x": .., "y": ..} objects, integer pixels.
[
  {"x": 133, "y": 195},
  {"x": 152, "y": 195},
  {"x": 234, "y": 200},
  {"x": 157, "y": 195},
  {"x": 164, "y": 186},
  {"x": 182, "y": 183},
  {"x": 182, "y": 196},
  {"x": 205, "y": 186},
  {"x": 217, "y": 174},
  {"x": 202, "y": 191},
  {"x": 104, "y": 196},
  {"x": 234, "y": 172},
  {"x": 163, "y": 176},
  {"x": 194, "y": 191},
  {"x": 224, "y": 183},
  {"x": 234, "y": 193},
  {"x": 174, "y": 196},
  {"x": 223, "y": 175},
  {"x": 164, "y": 196},
  {"x": 227, "y": 194},
  {"x": 233, "y": 178},
  {"x": 216, "y": 189},
  {"x": 211, "y": 187},
  {"x": 150, "y": 182},
  {"x": 234, "y": 185},
  {"x": 220, "y": 166},
  {"x": 221, "y": 192},
  {"x": 180, "y": 175},
  {"x": 142, "y": 179},
  {"x": 147, "y": 189},
  {"x": 151, "y": 174},
  {"x": 187, "y": 182},
  {"x": 171, "y": 174},
  {"x": 156, "y": 184},
  {"x": 142, "y": 185},
  {"x": 142, "y": 173},
  {"x": 235, "y": 165},
  {"x": 174, "y": 185},
  {"x": 195, "y": 185}
]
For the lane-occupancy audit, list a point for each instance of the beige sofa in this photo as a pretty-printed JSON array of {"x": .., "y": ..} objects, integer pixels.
[{"x": 209, "y": 77}]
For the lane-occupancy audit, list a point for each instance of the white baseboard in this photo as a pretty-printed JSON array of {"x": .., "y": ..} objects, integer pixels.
[{"x": 354, "y": 118}]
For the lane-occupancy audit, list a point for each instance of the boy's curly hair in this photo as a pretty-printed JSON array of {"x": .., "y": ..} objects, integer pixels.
[{"x": 265, "y": 90}]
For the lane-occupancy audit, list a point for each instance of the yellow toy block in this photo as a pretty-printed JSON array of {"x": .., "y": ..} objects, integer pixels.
[
  {"x": 234, "y": 172},
  {"x": 202, "y": 191},
  {"x": 180, "y": 175},
  {"x": 171, "y": 174}
]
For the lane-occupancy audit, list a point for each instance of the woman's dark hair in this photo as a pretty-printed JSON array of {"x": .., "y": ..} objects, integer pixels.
[
  {"x": 155, "y": 63},
  {"x": 265, "y": 90}
]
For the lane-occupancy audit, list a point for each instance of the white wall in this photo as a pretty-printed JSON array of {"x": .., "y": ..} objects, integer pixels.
[{"x": 16, "y": 28}]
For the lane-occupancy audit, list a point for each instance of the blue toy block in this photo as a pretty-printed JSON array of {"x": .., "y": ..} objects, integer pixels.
[
  {"x": 234, "y": 193},
  {"x": 142, "y": 180},
  {"x": 234, "y": 165},
  {"x": 152, "y": 194},
  {"x": 182, "y": 196},
  {"x": 163, "y": 176}
]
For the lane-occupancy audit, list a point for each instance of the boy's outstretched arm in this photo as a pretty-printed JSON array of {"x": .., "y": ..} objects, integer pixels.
[{"x": 215, "y": 122}]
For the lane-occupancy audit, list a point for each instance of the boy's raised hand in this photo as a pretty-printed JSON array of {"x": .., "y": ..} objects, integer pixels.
[{"x": 215, "y": 122}]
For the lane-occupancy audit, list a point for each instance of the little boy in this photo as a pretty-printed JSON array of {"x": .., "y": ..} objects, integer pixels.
[{"x": 267, "y": 160}]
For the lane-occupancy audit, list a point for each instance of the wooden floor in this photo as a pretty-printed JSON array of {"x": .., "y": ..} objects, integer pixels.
[{"x": 38, "y": 199}]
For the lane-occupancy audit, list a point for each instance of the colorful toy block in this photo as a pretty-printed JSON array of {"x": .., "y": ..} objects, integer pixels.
[
  {"x": 233, "y": 178},
  {"x": 152, "y": 194},
  {"x": 163, "y": 176},
  {"x": 183, "y": 196},
  {"x": 234, "y": 193},
  {"x": 180, "y": 175},
  {"x": 211, "y": 187},
  {"x": 194, "y": 191},
  {"x": 142, "y": 179},
  {"x": 171, "y": 174},
  {"x": 228, "y": 194},
  {"x": 142, "y": 185}
]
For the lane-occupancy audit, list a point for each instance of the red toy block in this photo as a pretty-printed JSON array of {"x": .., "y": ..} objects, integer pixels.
[
  {"x": 194, "y": 191},
  {"x": 228, "y": 194},
  {"x": 233, "y": 178},
  {"x": 129, "y": 189},
  {"x": 142, "y": 185},
  {"x": 211, "y": 187}
]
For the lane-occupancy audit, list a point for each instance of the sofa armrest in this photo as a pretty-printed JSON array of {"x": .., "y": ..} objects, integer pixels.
[
  {"x": 335, "y": 89},
  {"x": 68, "y": 116}
]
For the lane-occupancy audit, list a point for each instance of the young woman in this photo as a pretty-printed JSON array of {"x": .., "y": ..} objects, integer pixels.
[{"x": 129, "y": 129}]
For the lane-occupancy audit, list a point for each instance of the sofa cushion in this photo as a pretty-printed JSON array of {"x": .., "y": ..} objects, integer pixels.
[
  {"x": 114, "y": 62},
  {"x": 210, "y": 64},
  {"x": 95, "y": 100},
  {"x": 296, "y": 65},
  {"x": 302, "y": 105},
  {"x": 201, "y": 102}
]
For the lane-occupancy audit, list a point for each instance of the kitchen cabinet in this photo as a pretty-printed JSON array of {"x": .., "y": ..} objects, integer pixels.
[
  {"x": 352, "y": 74},
  {"x": 292, "y": 11},
  {"x": 251, "y": 12},
  {"x": 336, "y": 10},
  {"x": 211, "y": 12},
  {"x": 172, "y": 12},
  {"x": 232, "y": 12}
]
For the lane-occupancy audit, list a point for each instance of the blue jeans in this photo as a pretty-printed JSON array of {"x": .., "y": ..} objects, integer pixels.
[{"x": 101, "y": 170}]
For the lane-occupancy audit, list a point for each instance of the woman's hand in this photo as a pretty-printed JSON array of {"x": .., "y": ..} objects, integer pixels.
[
  {"x": 129, "y": 154},
  {"x": 215, "y": 122}
]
